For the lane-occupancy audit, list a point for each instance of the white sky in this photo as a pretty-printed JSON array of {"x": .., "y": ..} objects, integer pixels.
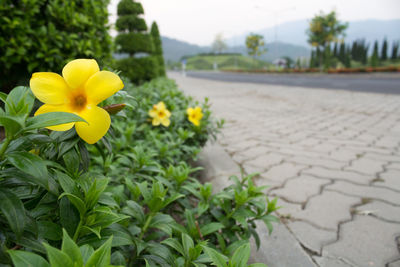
[{"x": 198, "y": 21}]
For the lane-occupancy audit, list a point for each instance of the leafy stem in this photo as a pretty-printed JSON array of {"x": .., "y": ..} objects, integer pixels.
[
  {"x": 146, "y": 225},
  {"x": 3, "y": 148},
  {"x": 77, "y": 231}
]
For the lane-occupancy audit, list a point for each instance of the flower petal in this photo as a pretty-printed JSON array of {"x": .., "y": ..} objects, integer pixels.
[
  {"x": 156, "y": 121},
  {"x": 56, "y": 108},
  {"x": 152, "y": 113},
  {"x": 49, "y": 87},
  {"x": 165, "y": 122},
  {"x": 189, "y": 111},
  {"x": 102, "y": 85},
  {"x": 98, "y": 123},
  {"x": 78, "y": 71}
]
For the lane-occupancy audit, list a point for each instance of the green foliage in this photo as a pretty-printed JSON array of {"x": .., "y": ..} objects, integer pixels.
[
  {"x": 131, "y": 199},
  {"x": 133, "y": 43},
  {"x": 384, "y": 55},
  {"x": 158, "y": 51},
  {"x": 138, "y": 69},
  {"x": 44, "y": 35},
  {"x": 395, "y": 51},
  {"x": 374, "y": 61},
  {"x": 134, "y": 39},
  {"x": 255, "y": 45}
]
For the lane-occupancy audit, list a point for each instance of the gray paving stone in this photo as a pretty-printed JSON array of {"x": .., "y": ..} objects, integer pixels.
[
  {"x": 310, "y": 236},
  {"x": 381, "y": 210},
  {"x": 364, "y": 241},
  {"x": 262, "y": 163},
  {"x": 366, "y": 192},
  {"x": 333, "y": 262},
  {"x": 393, "y": 165},
  {"x": 390, "y": 179},
  {"x": 339, "y": 175},
  {"x": 366, "y": 166},
  {"x": 279, "y": 249},
  {"x": 255, "y": 152},
  {"x": 327, "y": 210},
  {"x": 343, "y": 154},
  {"x": 286, "y": 208},
  {"x": 395, "y": 263},
  {"x": 277, "y": 175},
  {"x": 299, "y": 189},
  {"x": 317, "y": 162}
]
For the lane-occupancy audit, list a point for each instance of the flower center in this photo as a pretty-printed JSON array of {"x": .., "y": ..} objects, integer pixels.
[
  {"x": 161, "y": 114},
  {"x": 79, "y": 102}
]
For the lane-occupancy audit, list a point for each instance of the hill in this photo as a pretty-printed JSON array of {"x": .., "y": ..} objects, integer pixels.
[
  {"x": 294, "y": 32},
  {"x": 174, "y": 50}
]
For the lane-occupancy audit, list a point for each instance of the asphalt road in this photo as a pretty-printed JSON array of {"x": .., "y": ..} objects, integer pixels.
[{"x": 386, "y": 83}]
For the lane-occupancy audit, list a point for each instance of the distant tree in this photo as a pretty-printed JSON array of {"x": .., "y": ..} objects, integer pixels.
[
  {"x": 312, "y": 59},
  {"x": 158, "y": 51},
  {"x": 327, "y": 57},
  {"x": 325, "y": 29},
  {"x": 288, "y": 62},
  {"x": 335, "y": 50},
  {"x": 384, "y": 50},
  {"x": 134, "y": 40},
  {"x": 375, "y": 57},
  {"x": 298, "y": 63},
  {"x": 395, "y": 51},
  {"x": 255, "y": 45},
  {"x": 219, "y": 45},
  {"x": 342, "y": 52},
  {"x": 347, "y": 57}
]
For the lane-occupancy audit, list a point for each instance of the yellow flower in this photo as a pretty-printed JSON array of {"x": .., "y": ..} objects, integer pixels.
[
  {"x": 194, "y": 115},
  {"x": 80, "y": 88},
  {"x": 160, "y": 114}
]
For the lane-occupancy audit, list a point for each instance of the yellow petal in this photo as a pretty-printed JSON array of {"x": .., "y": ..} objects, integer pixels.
[
  {"x": 49, "y": 87},
  {"x": 78, "y": 71},
  {"x": 196, "y": 122},
  {"x": 102, "y": 85},
  {"x": 160, "y": 106},
  {"x": 156, "y": 121},
  {"x": 165, "y": 122},
  {"x": 56, "y": 108},
  {"x": 98, "y": 123},
  {"x": 189, "y": 111},
  {"x": 167, "y": 113},
  {"x": 152, "y": 113}
]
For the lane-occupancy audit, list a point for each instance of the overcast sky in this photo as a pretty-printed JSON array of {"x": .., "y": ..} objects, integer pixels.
[{"x": 198, "y": 21}]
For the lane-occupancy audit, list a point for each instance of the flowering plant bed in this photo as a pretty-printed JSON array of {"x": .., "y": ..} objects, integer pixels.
[{"x": 90, "y": 191}]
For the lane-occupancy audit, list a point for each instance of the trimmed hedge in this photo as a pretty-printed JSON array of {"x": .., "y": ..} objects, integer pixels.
[
  {"x": 155, "y": 33},
  {"x": 138, "y": 69},
  {"x": 128, "y": 23},
  {"x": 128, "y": 7},
  {"x": 133, "y": 43},
  {"x": 44, "y": 35}
]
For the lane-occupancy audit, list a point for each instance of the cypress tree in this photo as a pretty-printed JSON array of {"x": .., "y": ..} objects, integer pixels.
[
  {"x": 312, "y": 59},
  {"x": 347, "y": 57},
  {"x": 364, "y": 54},
  {"x": 134, "y": 40},
  {"x": 353, "y": 50},
  {"x": 335, "y": 52},
  {"x": 395, "y": 51},
  {"x": 375, "y": 57},
  {"x": 384, "y": 50},
  {"x": 158, "y": 51},
  {"x": 327, "y": 57},
  {"x": 342, "y": 52}
]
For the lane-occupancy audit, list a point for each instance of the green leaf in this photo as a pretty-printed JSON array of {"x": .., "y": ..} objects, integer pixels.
[
  {"x": 188, "y": 245},
  {"x": 70, "y": 248},
  {"x": 51, "y": 119},
  {"x": 135, "y": 210},
  {"x": 257, "y": 265},
  {"x": 94, "y": 192},
  {"x": 174, "y": 243},
  {"x": 3, "y": 97},
  {"x": 211, "y": 228},
  {"x": 14, "y": 211},
  {"x": 241, "y": 256},
  {"x": 49, "y": 230},
  {"x": 86, "y": 251},
  {"x": 76, "y": 201},
  {"x": 69, "y": 216},
  {"x": 11, "y": 124},
  {"x": 19, "y": 101},
  {"x": 57, "y": 258},
  {"x": 102, "y": 256},
  {"x": 27, "y": 259},
  {"x": 31, "y": 165},
  {"x": 217, "y": 258}
]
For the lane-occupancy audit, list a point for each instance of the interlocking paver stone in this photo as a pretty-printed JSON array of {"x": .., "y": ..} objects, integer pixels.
[
  {"x": 327, "y": 210},
  {"x": 390, "y": 178},
  {"x": 364, "y": 241},
  {"x": 349, "y": 139},
  {"x": 300, "y": 188},
  {"x": 368, "y": 192},
  {"x": 310, "y": 236},
  {"x": 381, "y": 210}
]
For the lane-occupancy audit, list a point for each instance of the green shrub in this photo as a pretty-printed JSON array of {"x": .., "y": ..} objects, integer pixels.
[
  {"x": 129, "y": 200},
  {"x": 44, "y": 35},
  {"x": 158, "y": 51},
  {"x": 138, "y": 69},
  {"x": 133, "y": 39}
]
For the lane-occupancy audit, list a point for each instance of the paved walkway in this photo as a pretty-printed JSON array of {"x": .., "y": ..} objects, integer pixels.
[{"x": 332, "y": 158}]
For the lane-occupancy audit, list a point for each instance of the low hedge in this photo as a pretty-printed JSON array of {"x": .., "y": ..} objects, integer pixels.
[{"x": 129, "y": 200}]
